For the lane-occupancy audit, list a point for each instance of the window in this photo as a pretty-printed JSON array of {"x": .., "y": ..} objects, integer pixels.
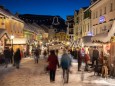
[
  {"x": 111, "y": 7},
  {"x": 88, "y": 26},
  {"x": 100, "y": 30},
  {"x": 100, "y": 12},
  {"x": 104, "y": 29},
  {"x": 96, "y": 31},
  {"x": 105, "y": 10},
  {"x": 96, "y": 14},
  {"x": 110, "y": 25}
]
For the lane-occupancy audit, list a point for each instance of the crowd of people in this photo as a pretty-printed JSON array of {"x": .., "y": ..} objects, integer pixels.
[
  {"x": 11, "y": 57},
  {"x": 91, "y": 58}
]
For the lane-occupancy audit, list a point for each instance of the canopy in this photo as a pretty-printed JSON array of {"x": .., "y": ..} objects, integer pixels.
[
  {"x": 87, "y": 41},
  {"x": 18, "y": 41}
]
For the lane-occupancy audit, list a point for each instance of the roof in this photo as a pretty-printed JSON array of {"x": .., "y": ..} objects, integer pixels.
[
  {"x": 8, "y": 14},
  {"x": 86, "y": 40},
  {"x": 92, "y": 4},
  {"x": 3, "y": 32},
  {"x": 44, "y": 21}
]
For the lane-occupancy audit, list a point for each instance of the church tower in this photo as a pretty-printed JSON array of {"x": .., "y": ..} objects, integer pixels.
[{"x": 92, "y": 1}]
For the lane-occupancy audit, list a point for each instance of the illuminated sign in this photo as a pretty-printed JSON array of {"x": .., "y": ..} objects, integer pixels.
[
  {"x": 101, "y": 19},
  {"x": 89, "y": 34}
]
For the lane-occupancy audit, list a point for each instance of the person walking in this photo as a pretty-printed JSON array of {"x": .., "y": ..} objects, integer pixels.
[
  {"x": 86, "y": 60},
  {"x": 52, "y": 65},
  {"x": 36, "y": 55},
  {"x": 17, "y": 58},
  {"x": 65, "y": 64},
  {"x": 45, "y": 54},
  {"x": 95, "y": 56},
  {"x": 11, "y": 55},
  {"x": 7, "y": 56},
  {"x": 74, "y": 53},
  {"x": 79, "y": 59}
]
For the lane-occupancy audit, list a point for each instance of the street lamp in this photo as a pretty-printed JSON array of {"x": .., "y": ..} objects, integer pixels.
[{"x": 12, "y": 37}]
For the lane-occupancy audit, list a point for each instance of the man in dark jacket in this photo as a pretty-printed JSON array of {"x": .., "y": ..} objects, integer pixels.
[
  {"x": 95, "y": 56},
  {"x": 7, "y": 55},
  {"x": 17, "y": 58},
  {"x": 37, "y": 54},
  {"x": 65, "y": 64}
]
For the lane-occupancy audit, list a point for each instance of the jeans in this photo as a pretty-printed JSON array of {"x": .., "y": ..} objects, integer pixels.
[
  {"x": 66, "y": 75},
  {"x": 93, "y": 60},
  {"x": 6, "y": 61},
  {"x": 79, "y": 65},
  {"x": 17, "y": 63},
  {"x": 52, "y": 75},
  {"x": 36, "y": 59}
]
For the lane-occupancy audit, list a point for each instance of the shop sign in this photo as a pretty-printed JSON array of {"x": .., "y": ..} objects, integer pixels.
[{"x": 102, "y": 19}]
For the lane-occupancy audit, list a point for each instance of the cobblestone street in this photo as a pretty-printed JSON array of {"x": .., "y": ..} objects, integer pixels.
[{"x": 31, "y": 74}]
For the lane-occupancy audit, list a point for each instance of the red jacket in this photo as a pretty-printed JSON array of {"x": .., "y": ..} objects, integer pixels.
[
  {"x": 87, "y": 58},
  {"x": 53, "y": 62}
]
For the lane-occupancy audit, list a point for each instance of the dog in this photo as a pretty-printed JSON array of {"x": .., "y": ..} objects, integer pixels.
[
  {"x": 104, "y": 71},
  {"x": 97, "y": 69}
]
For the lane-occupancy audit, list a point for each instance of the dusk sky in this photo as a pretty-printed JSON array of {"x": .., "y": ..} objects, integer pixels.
[{"x": 45, "y": 7}]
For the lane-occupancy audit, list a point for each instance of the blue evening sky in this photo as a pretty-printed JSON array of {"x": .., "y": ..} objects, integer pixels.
[{"x": 45, "y": 7}]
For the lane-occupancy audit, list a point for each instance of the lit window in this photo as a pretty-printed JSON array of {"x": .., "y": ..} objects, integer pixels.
[{"x": 111, "y": 7}]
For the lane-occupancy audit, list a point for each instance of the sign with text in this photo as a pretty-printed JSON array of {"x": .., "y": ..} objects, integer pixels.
[{"x": 102, "y": 19}]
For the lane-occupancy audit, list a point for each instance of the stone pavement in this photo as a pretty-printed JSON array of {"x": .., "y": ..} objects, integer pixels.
[{"x": 31, "y": 74}]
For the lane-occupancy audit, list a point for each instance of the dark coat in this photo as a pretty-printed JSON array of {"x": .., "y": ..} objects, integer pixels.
[
  {"x": 53, "y": 62},
  {"x": 95, "y": 54},
  {"x": 17, "y": 55},
  {"x": 79, "y": 56},
  {"x": 65, "y": 61},
  {"x": 7, "y": 53}
]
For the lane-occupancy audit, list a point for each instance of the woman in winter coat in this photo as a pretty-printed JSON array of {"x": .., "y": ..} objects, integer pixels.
[
  {"x": 53, "y": 63},
  {"x": 17, "y": 58},
  {"x": 87, "y": 58}
]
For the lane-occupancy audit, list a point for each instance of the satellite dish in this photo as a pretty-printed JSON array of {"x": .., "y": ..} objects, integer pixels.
[{"x": 55, "y": 21}]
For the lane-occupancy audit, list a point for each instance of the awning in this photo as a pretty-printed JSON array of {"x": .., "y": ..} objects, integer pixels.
[
  {"x": 18, "y": 41},
  {"x": 104, "y": 37},
  {"x": 86, "y": 40}
]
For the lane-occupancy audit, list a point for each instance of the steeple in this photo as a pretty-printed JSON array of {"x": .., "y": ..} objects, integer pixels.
[{"x": 92, "y": 1}]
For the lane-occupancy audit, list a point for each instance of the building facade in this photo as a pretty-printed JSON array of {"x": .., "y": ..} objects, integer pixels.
[
  {"x": 86, "y": 31},
  {"x": 103, "y": 15},
  {"x": 103, "y": 26},
  {"x": 12, "y": 25},
  {"x": 70, "y": 28}
]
